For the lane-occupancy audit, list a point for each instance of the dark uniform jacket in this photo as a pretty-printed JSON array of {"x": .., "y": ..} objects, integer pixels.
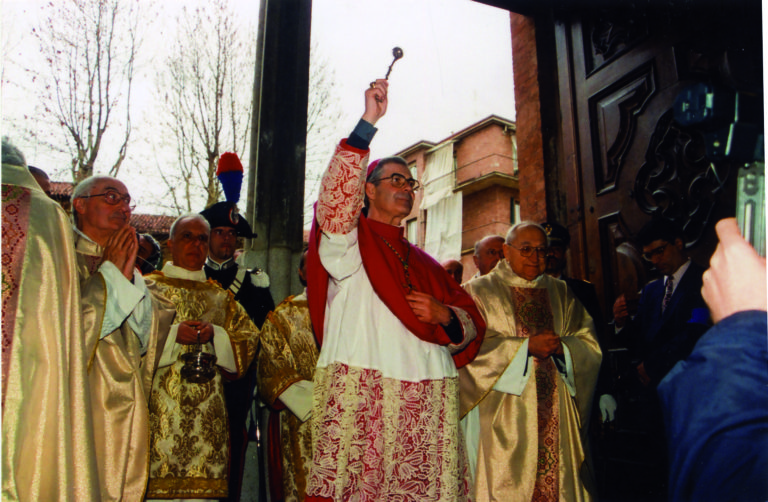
[
  {"x": 238, "y": 394},
  {"x": 257, "y": 301}
]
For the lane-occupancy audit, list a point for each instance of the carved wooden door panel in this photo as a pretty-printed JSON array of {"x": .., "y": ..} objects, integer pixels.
[{"x": 623, "y": 155}]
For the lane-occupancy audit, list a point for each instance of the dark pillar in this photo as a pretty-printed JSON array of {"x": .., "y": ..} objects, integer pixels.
[{"x": 278, "y": 142}]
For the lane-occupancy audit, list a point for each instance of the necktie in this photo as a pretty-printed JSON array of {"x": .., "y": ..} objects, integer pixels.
[{"x": 668, "y": 293}]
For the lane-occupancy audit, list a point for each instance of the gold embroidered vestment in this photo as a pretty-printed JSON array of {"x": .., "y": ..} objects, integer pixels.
[
  {"x": 48, "y": 448},
  {"x": 288, "y": 355},
  {"x": 531, "y": 446},
  {"x": 189, "y": 451}
]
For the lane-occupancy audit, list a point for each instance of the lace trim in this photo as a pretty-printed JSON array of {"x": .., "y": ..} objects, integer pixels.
[
  {"x": 377, "y": 438},
  {"x": 468, "y": 328},
  {"x": 341, "y": 193}
]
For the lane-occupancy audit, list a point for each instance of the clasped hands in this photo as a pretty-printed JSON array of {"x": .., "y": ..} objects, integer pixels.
[
  {"x": 545, "y": 344},
  {"x": 191, "y": 332},
  {"x": 121, "y": 249}
]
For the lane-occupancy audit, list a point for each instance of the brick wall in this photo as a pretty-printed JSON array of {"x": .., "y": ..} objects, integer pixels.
[
  {"x": 483, "y": 152},
  {"x": 533, "y": 202},
  {"x": 486, "y": 212}
]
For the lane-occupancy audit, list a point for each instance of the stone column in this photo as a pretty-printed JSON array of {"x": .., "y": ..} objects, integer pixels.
[{"x": 278, "y": 142}]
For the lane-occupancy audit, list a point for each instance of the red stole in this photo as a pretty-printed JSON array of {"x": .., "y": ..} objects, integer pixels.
[{"x": 387, "y": 276}]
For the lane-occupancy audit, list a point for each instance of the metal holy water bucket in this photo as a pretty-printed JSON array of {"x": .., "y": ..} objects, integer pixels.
[{"x": 199, "y": 366}]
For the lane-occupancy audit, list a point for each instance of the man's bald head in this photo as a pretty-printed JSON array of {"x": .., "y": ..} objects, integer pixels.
[
  {"x": 454, "y": 268},
  {"x": 101, "y": 205},
  {"x": 488, "y": 252},
  {"x": 188, "y": 241},
  {"x": 525, "y": 249}
]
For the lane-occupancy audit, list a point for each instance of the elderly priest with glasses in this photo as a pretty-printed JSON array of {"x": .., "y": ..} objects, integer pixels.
[
  {"x": 123, "y": 327},
  {"x": 393, "y": 328},
  {"x": 526, "y": 397}
]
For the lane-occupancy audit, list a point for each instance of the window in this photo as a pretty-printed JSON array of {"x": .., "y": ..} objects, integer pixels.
[
  {"x": 414, "y": 170},
  {"x": 514, "y": 211},
  {"x": 412, "y": 230},
  {"x": 515, "y": 171}
]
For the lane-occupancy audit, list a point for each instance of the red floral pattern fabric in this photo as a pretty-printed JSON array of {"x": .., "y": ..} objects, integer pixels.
[
  {"x": 341, "y": 194},
  {"x": 16, "y": 202},
  {"x": 385, "y": 439}
]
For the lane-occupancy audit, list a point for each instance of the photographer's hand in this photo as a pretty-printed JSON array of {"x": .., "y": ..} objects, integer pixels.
[{"x": 735, "y": 280}]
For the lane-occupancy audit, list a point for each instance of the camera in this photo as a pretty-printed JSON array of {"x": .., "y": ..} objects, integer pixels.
[{"x": 732, "y": 125}]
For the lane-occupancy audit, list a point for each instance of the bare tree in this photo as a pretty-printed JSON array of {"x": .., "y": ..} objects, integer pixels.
[
  {"x": 206, "y": 99},
  {"x": 206, "y": 102},
  {"x": 323, "y": 118},
  {"x": 90, "y": 49}
]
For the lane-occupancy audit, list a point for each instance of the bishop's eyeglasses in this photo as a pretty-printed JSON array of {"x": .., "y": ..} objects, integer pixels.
[{"x": 398, "y": 181}]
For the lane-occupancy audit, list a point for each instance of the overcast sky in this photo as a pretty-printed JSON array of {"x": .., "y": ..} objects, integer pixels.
[{"x": 457, "y": 69}]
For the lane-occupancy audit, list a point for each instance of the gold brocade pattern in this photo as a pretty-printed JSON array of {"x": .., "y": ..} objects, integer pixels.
[
  {"x": 288, "y": 349},
  {"x": 189, "y": 449},
  {"x": 48, "y": 446},
  {"x": 384, "y": 439},
  {"x": 289, "y": 354},
  {"x": 533, "y": 315},
  {"x": 548, "y": 459},
  {"x": 507, "y": 454}
]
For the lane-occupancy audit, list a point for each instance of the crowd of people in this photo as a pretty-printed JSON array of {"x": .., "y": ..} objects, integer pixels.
[{"x": 128, "y": 378}]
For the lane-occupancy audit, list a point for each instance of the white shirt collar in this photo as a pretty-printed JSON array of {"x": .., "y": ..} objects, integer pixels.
[
  {"x": 174, "y": 272},
  {"x": 678, "y": 274}
]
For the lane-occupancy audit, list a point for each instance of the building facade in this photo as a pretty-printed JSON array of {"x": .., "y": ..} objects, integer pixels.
[{"x": 469, "y": 189}]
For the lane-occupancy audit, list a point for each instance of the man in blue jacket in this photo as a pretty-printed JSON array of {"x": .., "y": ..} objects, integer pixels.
[
  {"x": 671, "y": 314},
  {"x": 670, "y": 318},
  {"x": 716, "y": 401}
]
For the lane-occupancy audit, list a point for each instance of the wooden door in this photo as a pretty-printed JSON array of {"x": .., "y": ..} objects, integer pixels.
[{"x": 623, "y": 155}]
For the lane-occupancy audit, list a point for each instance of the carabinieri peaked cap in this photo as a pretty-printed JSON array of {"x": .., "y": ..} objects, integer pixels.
[{"x": 558, "y": 234}]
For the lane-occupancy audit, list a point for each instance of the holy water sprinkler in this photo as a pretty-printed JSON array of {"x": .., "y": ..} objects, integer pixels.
[{"x": 397, "y": 52}]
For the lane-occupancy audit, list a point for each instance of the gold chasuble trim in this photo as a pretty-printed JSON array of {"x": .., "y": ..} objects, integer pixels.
[
  {"x": 533, "y": 314},
  {"x": 202, "y": 488}
]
